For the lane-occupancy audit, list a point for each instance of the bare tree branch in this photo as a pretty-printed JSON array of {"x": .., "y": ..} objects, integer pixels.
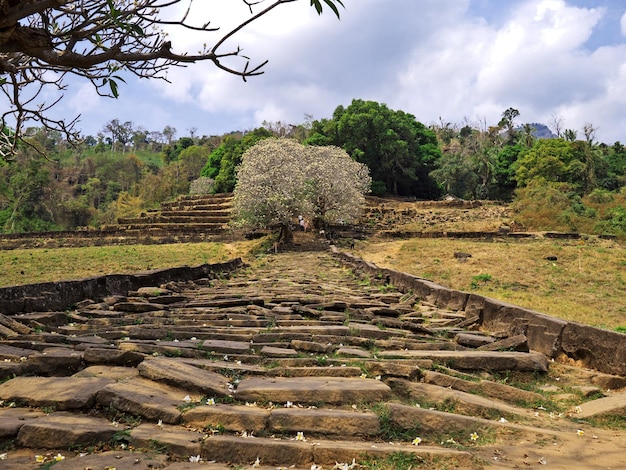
[{"x": 42, "y": 40}]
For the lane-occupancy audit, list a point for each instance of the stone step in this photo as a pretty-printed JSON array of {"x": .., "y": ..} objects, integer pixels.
[
  {"x": 216, "y": 211},
  {"x": 190, "y": 218},
  {"x": 439, "y": 424},
  {"x": 614, "y": 405},
  {"x": 283, "y": 452},
  {"x": 484, "y": 387},
  {"x": 478, "y": 360},
  {"x": 58, "y": 393},
  {"x": 150, "y": 400},
  {"x": 311, "y": 390},
  {"x": 64, "y": 430},
  {"x": 147, "y": 228},
  {"x": 184, "y": 375},
  {"x": 462, "y": 402}
]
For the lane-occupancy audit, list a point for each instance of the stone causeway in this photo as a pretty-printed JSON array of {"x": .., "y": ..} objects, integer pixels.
[{"x": 308, "y": 360}]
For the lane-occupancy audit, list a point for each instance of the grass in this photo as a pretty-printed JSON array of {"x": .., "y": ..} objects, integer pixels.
[
  {"x": 25, "y": 266},
  {"x": 587, "y": 282}
]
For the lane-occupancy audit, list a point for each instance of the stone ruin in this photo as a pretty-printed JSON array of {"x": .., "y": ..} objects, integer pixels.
[{"x": 313, "y": 360}]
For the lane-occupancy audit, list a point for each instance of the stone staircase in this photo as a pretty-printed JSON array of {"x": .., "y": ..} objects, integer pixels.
[
  {"x": 209, "y": 213},
  {"x": 296, "y": 362}
]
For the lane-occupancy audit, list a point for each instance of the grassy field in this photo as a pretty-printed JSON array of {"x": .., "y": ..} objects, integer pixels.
[
  {"x": 42, "y": 265},
  {"x": 587, "y": 282}
]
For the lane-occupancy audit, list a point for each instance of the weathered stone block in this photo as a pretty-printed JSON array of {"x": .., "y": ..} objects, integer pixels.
[{"x": 598, "y": 349}]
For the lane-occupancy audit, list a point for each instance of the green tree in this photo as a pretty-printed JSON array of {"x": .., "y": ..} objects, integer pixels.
[
  {"x": 24, "y": 183},
  {"x": 192, "y": 160},
  {"x": 222, "y": 163},
  {"x": 508, "y": 122},
  {"x": 399, "y": 151},
  {"x": 171, "y": 152},
  {"x": 456, "y": 173},
  {"x": 552, "y": 160}
]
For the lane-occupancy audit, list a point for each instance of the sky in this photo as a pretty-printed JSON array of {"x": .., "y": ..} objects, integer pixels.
[{"x": 456, "y": 61}]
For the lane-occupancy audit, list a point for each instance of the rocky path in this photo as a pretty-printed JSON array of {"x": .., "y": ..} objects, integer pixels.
[{"x": 295, "y": 362}]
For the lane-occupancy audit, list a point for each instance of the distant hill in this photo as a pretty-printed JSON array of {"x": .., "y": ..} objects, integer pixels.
[{"x": 541, "y": 131}]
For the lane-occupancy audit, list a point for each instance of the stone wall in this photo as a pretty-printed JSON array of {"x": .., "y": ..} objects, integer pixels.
[
  {"x": 61, "y": 295},
  {"x": 591, "y": 347}
]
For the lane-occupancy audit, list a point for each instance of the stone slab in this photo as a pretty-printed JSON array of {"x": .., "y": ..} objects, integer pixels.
[
  {"x": 12, "y": 419},
  {"x": 213, "y": 365},
  {"x": 112, "y": 357},
  {"x": 59, "y": 393},
  {"x": 473, "y": 340},
  {"x": 599, "y": 349},
  {"x": 353, "y": 352},
  {"x": 116, "y": 459},
  {"x": 65, "y": 430},
  {"x": 614, "y": 405},
  {"x": 113, "y": 373},
  {"x": 14, "y": 354},
  {"x": 513, "y": 343},
  {"x": 328, "y": 453},
  {"x": 235, "y": 418},
  {"x": 184, "y": 375},
  {"x": 464, "y": 403},
  {"x": 173, "y": 440},
  {"x": 239, "y": 450},
  {"x": 56, "y": 361},
  {"x": 439, "y": 422},
  {"x": 335, "y": 390},
  {"x": 225, "y": 347},
  {"x": 478, "y": 360},
  {"x": 486, "y": 387},
  {"x": 142, "y": 397},
  {"x": 314, "y": 372},
  {"x": 271, "y": 351},
  {"x": 324, "y": 421}
]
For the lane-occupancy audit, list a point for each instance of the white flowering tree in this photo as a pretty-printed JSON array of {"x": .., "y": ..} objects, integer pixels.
[
  {"x": 279, "y": 179},
  {"x": 335, "y": 185}
]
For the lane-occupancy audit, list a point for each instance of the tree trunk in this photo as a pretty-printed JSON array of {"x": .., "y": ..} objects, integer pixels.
[{"x": 285, "y": 235}]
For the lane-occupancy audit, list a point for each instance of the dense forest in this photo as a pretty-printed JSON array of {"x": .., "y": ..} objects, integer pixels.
[{"x": 561, "y": 179}]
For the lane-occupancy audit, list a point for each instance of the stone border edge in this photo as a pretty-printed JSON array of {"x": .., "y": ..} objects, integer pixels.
[
  {"x": 61, "y": 295},
  {"x": 602, "y": 350}
]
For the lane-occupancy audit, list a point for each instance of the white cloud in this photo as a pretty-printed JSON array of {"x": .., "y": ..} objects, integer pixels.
[
  {"x": 534, "y": 60},
  {"x": 430, "y": 58},
  {"x": 84, "y": 98}
]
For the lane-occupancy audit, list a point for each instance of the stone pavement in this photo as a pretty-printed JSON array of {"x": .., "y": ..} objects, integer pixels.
[{"x": 294, "y": 363}]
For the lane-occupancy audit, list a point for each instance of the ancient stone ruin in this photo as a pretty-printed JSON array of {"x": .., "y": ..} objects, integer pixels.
[{"x": 309, "y": 360}]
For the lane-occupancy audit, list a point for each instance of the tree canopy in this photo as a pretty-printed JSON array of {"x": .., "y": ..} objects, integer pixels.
[
  {"x": 279, "y": 179},
  {"x": 399, "y": 150},
  {"x": 43, "y": 40}
]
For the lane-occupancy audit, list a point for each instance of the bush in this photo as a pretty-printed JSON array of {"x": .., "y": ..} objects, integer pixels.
[
  {"x": 202, "y": 185},
  {"x": 614, "y": 222},
  {"x": 600, "y": 196}
]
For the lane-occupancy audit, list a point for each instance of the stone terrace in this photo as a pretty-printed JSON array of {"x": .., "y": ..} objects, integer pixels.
[{"x": 300, "y": 362}]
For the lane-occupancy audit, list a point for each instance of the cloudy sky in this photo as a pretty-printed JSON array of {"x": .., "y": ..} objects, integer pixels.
[{"x": 455, "y": 60}]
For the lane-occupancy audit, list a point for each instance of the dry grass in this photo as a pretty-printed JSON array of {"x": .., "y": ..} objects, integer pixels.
[
  {"x": 44, "y": 264},
  {"x": 587, "y": 283}
]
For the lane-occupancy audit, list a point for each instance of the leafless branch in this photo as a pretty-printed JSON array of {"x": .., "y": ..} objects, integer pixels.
[{"x": 98, "y": 40}]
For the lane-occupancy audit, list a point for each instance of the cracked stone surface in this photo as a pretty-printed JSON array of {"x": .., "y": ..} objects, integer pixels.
[{"x": 293, "y": 362}]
